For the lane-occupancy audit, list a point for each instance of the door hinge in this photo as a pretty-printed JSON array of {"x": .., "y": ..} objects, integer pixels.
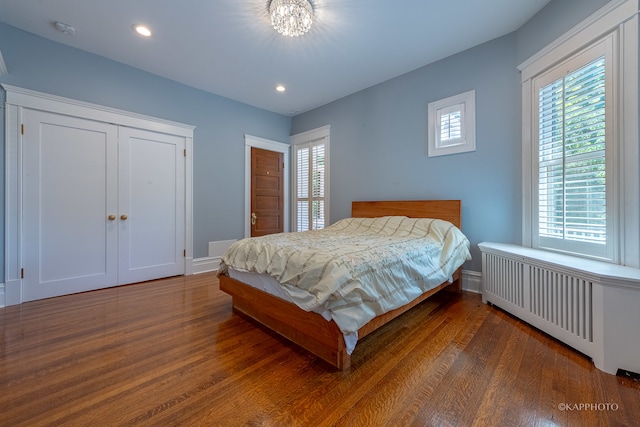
[
  {"x": 22, "y": 273},
  {"x": 184, "y": 253},
  {"x": 22, "y": 129},
  {"x": 185, "y": 152}
]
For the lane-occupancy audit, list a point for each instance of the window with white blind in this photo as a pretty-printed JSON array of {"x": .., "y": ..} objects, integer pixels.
[
  {"x": 572, "y": 142},
  {"x": 580, "y": 140},
  {"x": 452, "y": 125},
  {"x": 311, "y": 179}
]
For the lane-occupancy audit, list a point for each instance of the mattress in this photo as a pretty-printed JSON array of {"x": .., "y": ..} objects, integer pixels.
[
  {"x": 268, "y": 284},
  {"x": 355, "y": 269}
]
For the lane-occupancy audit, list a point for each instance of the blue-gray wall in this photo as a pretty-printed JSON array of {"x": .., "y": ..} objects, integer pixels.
[
  {"x": 551, "y": 22},
  {"x": 379, "y": 139},
  {"x": 379, "y": 135},
  {"x": 218, "y": 182}
]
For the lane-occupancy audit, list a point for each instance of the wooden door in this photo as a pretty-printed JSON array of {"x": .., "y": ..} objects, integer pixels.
[
  {"x": 69, "y": 227},
  {"x": 267, "y": 192},
  {"x": 150, "y": 205}
]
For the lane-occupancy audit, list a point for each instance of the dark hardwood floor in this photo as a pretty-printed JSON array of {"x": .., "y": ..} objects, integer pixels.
[{"x": 171, "y": 352}]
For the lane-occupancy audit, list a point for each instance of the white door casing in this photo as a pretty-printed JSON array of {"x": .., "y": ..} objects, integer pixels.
[{"x": 265, "y": 144}]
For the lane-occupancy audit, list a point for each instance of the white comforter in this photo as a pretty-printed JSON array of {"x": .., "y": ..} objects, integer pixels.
[{"x": 357, "y": 268}]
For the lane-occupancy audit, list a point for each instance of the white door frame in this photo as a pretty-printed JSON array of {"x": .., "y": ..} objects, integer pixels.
[
  {"x": 18, "y": 98},
  {"x": 265, "y": 144}
]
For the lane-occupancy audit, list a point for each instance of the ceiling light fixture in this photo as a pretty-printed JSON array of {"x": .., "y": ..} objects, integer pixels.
[
  {"x": 65, "y": 28},
  {"x": 142, "y": 30},
  {"x": 281, "y": 88},
  {"x": 291, "y": 17}
]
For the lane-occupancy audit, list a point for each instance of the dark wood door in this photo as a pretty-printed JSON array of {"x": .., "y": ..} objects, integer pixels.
[{"x": 267, "y": 192}]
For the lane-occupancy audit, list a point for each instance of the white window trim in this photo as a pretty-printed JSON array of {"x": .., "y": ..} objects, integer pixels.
[
  {"x": 467, "y": 142},
  {"x": 620, "y": 17},
  {"x": 3, "y": 66},
  {"x": 323, "y": 132}
]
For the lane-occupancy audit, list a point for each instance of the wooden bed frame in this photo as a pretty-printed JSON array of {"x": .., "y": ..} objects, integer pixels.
[{"x": 310, "y": 330}]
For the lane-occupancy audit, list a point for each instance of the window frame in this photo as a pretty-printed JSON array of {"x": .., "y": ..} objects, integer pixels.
[
  {"x": 558, "y": 72},
  {"x": 319, "y": 136},
  {"x": 465, "y": 104},
  {"x": 615, "y": 23}
]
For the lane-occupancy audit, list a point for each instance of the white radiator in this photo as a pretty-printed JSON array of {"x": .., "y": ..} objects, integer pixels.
[
  {"x": 589, "y": 305},
  {"x": 554, "y": 302}
]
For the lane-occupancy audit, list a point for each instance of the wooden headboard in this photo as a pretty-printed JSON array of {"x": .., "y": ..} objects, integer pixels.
[{"x": 449, "y": 210}]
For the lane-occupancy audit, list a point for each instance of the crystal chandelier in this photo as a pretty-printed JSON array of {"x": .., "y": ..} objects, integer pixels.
[{"x": 291, "y": 17}]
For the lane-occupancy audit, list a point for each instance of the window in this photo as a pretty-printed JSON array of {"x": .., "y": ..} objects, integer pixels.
[
  {"x": 452, "y": 125},
  {"x": 574, "y": 144},
  {"x": 311, "y": 179},
  {"x": 580, "y": 137}
]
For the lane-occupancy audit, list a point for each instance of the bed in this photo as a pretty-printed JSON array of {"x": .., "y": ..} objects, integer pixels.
[{"x": 317, "y": 331}]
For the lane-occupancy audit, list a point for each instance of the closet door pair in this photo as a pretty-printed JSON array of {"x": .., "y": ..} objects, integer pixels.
[{"x": 103, "y": 205}]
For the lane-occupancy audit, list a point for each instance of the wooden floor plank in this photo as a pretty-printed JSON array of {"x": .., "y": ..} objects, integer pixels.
[{"x": 172, "y": 352}]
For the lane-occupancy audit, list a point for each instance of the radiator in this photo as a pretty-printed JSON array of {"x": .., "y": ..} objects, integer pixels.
[{"x": 554, "y": 301}]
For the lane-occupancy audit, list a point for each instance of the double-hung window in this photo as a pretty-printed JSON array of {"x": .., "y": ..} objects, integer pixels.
[
  {"x": 311, "y": 179},
  {"x": 574, "y": 148},
  {"x": 580, "y": 140}
]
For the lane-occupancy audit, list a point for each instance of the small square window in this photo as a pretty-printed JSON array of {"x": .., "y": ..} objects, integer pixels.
[{"x": 452, "y": 125}]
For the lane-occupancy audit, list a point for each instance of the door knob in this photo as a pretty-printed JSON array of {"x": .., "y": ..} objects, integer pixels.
[
  {"x": 111, "y": 217},
  {"x": 123, "y": 217},
  {"x": 253, "y": 218}
]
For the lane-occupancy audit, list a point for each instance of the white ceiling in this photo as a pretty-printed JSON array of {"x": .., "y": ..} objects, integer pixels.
[{"x": 228, "y": 47}]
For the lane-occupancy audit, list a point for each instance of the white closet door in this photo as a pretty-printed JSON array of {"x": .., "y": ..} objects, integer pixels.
[
  {"x": 151, "y": 198},
  {"x": 69, "y": 190}
]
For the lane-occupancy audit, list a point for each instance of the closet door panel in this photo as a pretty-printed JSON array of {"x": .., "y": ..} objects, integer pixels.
[
  {"x": 151, "y": 196},
  {"x": 69, "y": 190}
]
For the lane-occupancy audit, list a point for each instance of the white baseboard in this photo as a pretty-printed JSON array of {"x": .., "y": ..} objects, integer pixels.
[
  {"x": 472, "y": 281},
  {"x": 2, "y": 302},
  {"x": 211, "y": 262},
  {"x": 206, "y": 264},
  {"x": 12, "y": 292}
]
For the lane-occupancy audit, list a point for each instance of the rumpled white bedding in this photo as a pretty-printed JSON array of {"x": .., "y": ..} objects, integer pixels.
[{"x": 357, "y": 268}]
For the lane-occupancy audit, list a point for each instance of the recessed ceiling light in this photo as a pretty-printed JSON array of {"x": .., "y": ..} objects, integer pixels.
[
  {"x": 143, "y": 30},
  {"x": 281, "y": 88}
]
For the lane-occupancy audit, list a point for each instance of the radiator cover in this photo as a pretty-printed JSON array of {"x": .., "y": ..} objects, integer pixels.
[{"x": 577, "y": 301}]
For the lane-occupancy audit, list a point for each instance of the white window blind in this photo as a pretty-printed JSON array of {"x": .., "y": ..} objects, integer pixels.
[
  {"x": 450, "y": 125},
  {"x": 573, "y": 149},
  {"x": 572, "y": 167},
  {"x": 311, "y": 184}
]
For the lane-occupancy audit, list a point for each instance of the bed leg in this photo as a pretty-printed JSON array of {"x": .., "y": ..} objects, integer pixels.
[
  {"x": 343, "y": 362},
  {"x": 457, "y": 285}
]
